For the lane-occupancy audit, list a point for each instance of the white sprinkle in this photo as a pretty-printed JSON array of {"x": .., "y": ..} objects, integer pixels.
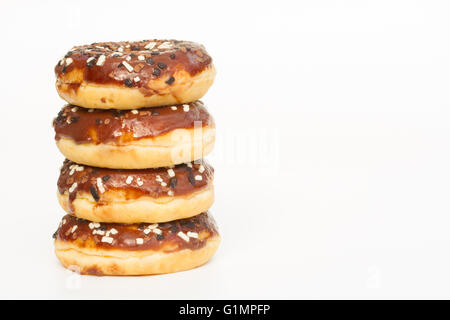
[
  {"x": 173, "y": 108},
  {"x": 79, "y": 168},
  {"x": 94, "y": 232},
  {"x": 91, "y": 226},
  {"x": 107, "y": 239},
  {"x": 157, "y": 231},
  {"x": 141, "y": 58},
  {"x": 113, "y": 231},
  {"x": 126, "y": 65},
  {"x": 150, "y": 45},
  {"x": 137, "y": 79},
  {"x": 89, "y": 59},
  {"x": 128, "y": 58},
  {"x": 189, "y": 164},
  {"x": 74, "y": 109},
  {"x": 192, "y": 234},
  {"x": 101, "y": 60},
  {"x": 170, "y": 193},
  {"x": 185, "y": 107},
  {"x": 147, "y": 231},
  {"x": 68, "y": 61},
  {"x": 201, "y": 169},
  {"x": 64, "y": 221},
  {"x": 183, "y": 236},
  {"x": 61, "y": 61},
  {"x": 116, "y": 54},
  {"x": 139, "y": 182},
  {"x": 164, "y": 184},
  {"x": 127, "y": 46},
  {"x": 91, "y": 110},
  {"x": 165, "y": 45},
  {"x": 73, "y": 229},
  {"x": 171, "y": 173},
  {"x": 139, "y": 241},
  {"x": 100, "y": 232},
  {"x": 96, "y": 225},
  {"x": 120, "y": 49},
  {"x": 72, "y": 188},
  {"x": 198, "y": 178},
  {"x": 134, "y": 111},
  {"x": 100, "y": 186},
  {"x": 129, "y": 179},
  {"x": 158, "y": 178},
  {"x": 152, "y": 226}
]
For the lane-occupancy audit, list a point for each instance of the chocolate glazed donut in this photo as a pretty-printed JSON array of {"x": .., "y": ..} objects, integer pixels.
[
  {"x": 135, "y": 249},
  {"x": 130, "y": 75},
  {"x": 132, "y": 196},
  {"x": 135, "y": 139}
]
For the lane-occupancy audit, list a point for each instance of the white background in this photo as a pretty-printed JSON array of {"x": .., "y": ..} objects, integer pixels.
[{"x": 332, "y": 158}]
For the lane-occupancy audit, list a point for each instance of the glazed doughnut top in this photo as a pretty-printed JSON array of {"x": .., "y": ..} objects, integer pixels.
[
  {"x": 191, "y": 233},
  {"x": 133, "y": 64},
  {"x": 122, "y": 126},
  {"x": 156, "y": 182}
]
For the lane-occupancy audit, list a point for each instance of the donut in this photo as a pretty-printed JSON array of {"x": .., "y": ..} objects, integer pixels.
[
  {"x": 132, "y": 196},
  {"x": 135, "y": 249},
  {"x": 130, "y": 75},
  {"x": 135, "y": 139}
]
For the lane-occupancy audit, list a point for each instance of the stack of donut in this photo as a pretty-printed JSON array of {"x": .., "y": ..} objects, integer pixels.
[{"x": 134, "y": 183}]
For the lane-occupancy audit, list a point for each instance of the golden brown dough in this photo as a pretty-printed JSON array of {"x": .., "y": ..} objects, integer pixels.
[
  {"x": 142, "y": 209},
  {"x": 102, "y": 262},
  {"x": 177, "y": 146}
]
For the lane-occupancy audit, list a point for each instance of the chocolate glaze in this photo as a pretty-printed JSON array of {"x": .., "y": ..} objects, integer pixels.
[
  {"x": 165, "y": 238},
  {"x": 160, "y": 60},
  {"x": 145, "y": 182},
  {"x": 103, "y": 126}
]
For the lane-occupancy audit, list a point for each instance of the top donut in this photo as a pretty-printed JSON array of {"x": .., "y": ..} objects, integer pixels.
[{"x": 131, "y": 75}]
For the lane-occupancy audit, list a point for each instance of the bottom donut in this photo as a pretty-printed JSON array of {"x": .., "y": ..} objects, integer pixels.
[{"x": 135, "y": 249}]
